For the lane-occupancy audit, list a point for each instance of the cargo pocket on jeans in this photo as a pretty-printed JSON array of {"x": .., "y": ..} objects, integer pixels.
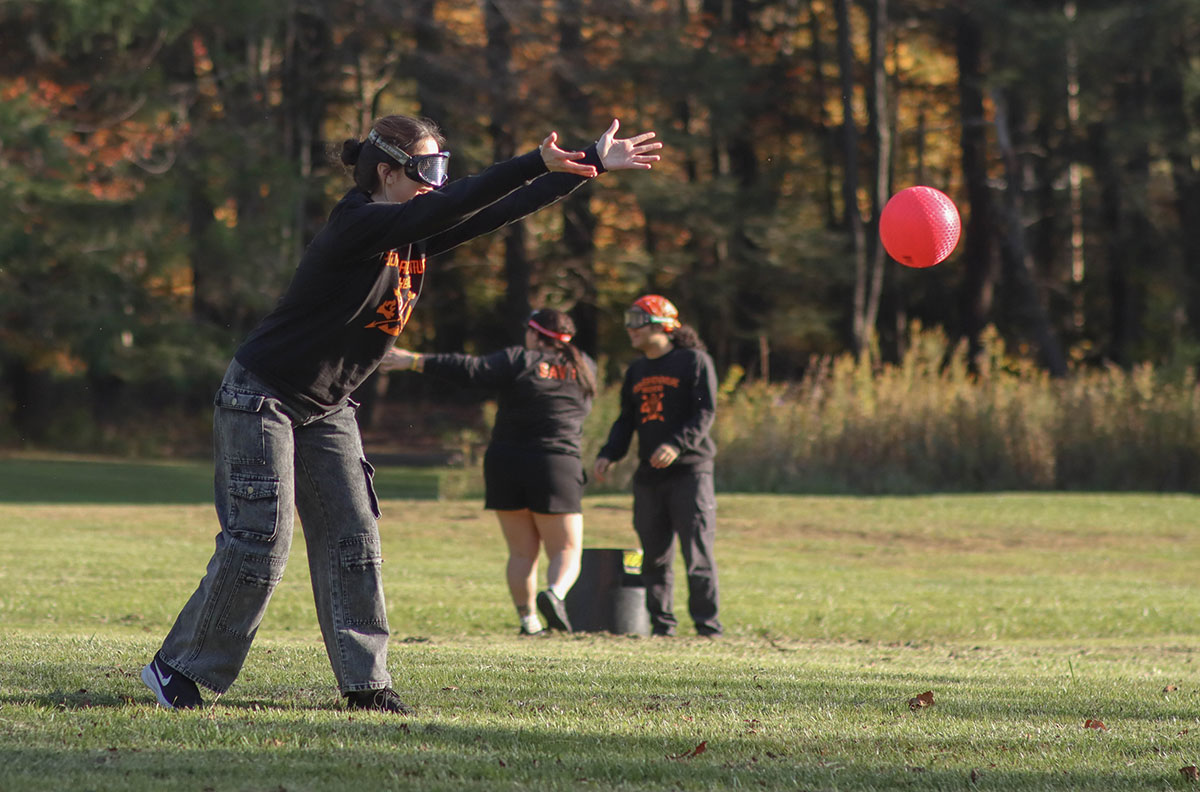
[
  {"x": 240, "y": 426},
  {"x": 362, "y": 582},
  {"x": 369, "y": 473},
  {"x": 706, "y": 496},
  {"x": 253, "y": 507},
  {"x": 256, "y": 579}
]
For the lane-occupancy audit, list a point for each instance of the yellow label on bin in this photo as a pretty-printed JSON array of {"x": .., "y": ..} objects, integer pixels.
[{"x": 633, "y": 562}]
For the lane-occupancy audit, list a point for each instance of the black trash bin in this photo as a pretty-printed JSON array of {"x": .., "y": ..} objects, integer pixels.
[{"x": 609, "y": 595}]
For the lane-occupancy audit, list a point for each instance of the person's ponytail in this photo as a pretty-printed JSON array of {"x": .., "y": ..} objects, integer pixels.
[
  {"x": 686, "y": 337},
  {"x": 583, "y": 372},
  {"x": 559, "y": 323}
]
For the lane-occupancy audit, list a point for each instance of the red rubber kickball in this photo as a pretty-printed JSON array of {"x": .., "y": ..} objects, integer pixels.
[{"x": 919, "y": 226}]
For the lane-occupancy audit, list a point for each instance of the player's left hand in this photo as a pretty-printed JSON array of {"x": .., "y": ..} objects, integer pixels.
[
  {"x": 559, "y": 160},
  {"x": 664, "y": 455},
  {"x": 397, "y": 360},
  {"x": 631, "y": 153}
]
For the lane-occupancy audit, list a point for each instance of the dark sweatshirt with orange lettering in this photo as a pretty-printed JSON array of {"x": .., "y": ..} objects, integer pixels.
[
  {"x": 670, "y": 399},
  {"x": 541, "y": 404},
  {"x": 359, "y": 279}
]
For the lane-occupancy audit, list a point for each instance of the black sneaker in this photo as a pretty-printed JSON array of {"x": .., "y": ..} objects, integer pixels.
[
  {"x": 383, "y": 700},
  {"x": 553, "y": 610},
  {"x": 172, "y": 689},
  {"x": 524, "y": 633}
]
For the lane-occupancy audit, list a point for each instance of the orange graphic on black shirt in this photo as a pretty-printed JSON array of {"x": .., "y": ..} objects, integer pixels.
[
  {"x": 652, "y": 406},
  {"x": 395, "y": 313},
  {"x": 555, "y": 371},
  {"x": 397, "y": 309},
  {"x": 651, "y": 390}
]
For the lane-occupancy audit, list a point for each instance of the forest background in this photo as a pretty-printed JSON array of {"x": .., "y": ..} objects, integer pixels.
[{"x": 163, "y": 164}]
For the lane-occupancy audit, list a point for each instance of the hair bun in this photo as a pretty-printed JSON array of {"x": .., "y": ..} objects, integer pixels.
[{"x": 350, "y": 151}]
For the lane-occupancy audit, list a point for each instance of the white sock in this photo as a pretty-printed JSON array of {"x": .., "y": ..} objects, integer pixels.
[
  {"x": 531, "y": 623},
  {"x": 558, "y": 592}
]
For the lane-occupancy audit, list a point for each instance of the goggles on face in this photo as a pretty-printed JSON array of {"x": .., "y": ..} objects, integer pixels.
[
  {"x": 430, "y": 169},
  {"x": 636, "y": 317}
]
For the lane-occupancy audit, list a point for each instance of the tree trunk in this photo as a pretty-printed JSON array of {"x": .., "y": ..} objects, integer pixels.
[
  {"x": 1130, "y": 234},
  {"x": 579, "y": 224},
  {"x": 1032, "y": 312},
  {"x": 979, "y": 260},
  {"x": 853, "y": 217},
  {"x": 881, "y": 137},
  {"x": 435, "y": 85},
  {"x": 517, "y": 270},
  {"x": 826, "y": 132}
]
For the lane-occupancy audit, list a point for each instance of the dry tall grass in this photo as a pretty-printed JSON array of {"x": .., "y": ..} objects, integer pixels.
[{"x": 933, "y": 422}]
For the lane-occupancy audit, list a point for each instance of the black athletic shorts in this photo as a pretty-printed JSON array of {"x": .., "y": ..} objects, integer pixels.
[{"x": 542, "y": 482}]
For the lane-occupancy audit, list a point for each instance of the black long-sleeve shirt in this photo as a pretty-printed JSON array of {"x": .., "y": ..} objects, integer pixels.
[
  {"x": 670, "y": 399},
  {"x": 541, "y": 404},
  {"x": 359, "y": 279}
]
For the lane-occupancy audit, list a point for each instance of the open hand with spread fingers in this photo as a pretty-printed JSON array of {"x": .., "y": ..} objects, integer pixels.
[{"x": 631, "y": 153}]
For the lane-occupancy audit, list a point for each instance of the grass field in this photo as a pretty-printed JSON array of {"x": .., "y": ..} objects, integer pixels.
[{"x": 1026, "y": 616}]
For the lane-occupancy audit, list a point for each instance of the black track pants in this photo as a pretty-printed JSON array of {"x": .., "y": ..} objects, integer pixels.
[{"x": 683, "y": 505}]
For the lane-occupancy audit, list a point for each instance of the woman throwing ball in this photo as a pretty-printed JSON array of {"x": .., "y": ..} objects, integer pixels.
[
  {"x": 285, "y": 435},
  {"x": 533, "y": 472}
]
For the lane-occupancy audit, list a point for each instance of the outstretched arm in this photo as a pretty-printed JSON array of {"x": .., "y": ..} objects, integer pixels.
[
  {"x": 631, "y": 153},
  {"x": 569, "y": 171}
]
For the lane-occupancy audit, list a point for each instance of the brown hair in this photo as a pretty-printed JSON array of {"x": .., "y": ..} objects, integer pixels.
[
  {"x": 559, "y": 322},
  {"x": 403, "y": 131},
  {"x": 686, "y": 337}
]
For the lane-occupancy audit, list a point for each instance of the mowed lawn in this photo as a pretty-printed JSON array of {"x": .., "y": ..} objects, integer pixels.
[{"x": 1056, "y": 634}]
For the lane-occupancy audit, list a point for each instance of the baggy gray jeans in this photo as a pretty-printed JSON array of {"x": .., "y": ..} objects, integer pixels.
[{"x": 271, "y": 461}]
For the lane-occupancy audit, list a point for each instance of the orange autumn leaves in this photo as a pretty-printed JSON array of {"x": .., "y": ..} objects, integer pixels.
[
  {"x": 96, "y": 146},
  {"x": 921, "y": 701}
]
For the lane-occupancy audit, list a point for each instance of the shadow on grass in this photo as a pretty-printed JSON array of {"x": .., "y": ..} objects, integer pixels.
[
  {"x": 30, "y": 481},
  {"x": 392, "y": 753},
  {"x": 108, "y": 740}
]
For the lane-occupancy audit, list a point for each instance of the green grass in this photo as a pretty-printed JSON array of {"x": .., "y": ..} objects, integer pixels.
[
  {"x": 1025, "y": 615},
  {"x": 59, "y": 479}
]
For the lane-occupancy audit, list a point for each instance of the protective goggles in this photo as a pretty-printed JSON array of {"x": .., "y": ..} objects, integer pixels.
[
  {"x": 431, "y": 169},
  {"x": 636, "y": 317}
]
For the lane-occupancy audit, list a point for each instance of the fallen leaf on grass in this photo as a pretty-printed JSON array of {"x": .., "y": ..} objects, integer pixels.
[
  {"x": 1091, "y": 723},
  {"x": 692, "y": 754},
  {"x": 974, "y": 776},
  {"x": 923, "y": 700},
  {"x": 1191, "y": 773}
]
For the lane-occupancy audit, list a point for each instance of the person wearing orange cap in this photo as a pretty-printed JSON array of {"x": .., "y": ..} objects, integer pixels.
[
  {"x": 533, "y": 468},
  {"x": 669, "y": 399}
]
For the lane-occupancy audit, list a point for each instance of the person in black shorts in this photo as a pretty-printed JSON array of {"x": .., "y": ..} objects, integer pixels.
[
  {"x": 669, "y": 399},
  {"x": 533, "y": 470},
  {"x": 285, "y": 436}
]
